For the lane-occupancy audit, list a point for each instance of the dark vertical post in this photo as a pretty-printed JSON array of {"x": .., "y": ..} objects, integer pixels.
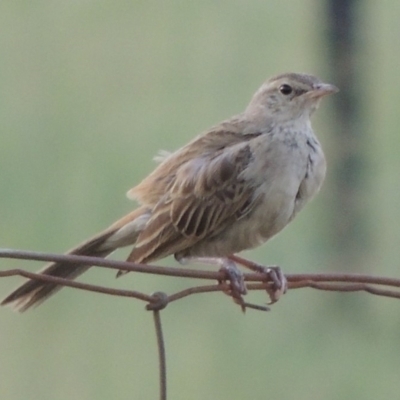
[{"x": 349, "y": 231}]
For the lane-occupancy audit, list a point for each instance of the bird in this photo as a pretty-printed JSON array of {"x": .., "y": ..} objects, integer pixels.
[{"x": 230, "y": 189}]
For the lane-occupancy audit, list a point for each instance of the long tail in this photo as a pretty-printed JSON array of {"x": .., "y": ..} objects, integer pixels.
[{"x": 123, "y": 233}]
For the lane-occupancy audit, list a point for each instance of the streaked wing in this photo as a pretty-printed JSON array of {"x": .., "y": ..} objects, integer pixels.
[
  {"x": 205, "y": 194},
  {"x": 154, "y": 186}
]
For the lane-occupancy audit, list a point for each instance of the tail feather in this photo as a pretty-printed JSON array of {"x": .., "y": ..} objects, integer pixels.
[
  {"x": 122, "y": 233},
  {"x": 33, "y": 293}
]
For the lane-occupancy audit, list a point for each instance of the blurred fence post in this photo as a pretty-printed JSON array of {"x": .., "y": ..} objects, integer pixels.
[{"x": 347, "y": 215}]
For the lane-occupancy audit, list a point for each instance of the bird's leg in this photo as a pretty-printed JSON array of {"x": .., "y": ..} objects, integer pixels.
[
  {"x": 279, "y": 281},
  {"x": 229, "y": 267}
]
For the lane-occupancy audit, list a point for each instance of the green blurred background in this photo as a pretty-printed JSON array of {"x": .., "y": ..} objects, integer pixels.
[{"x": 89, "y": 91}]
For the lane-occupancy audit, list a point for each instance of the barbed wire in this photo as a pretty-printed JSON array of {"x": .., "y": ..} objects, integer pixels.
[{"x": 337, "y": 282}]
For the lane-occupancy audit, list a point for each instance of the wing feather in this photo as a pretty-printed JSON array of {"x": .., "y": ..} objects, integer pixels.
[
  {"x": 204, "y": 195},
  {"x": 154, "y": 186}
]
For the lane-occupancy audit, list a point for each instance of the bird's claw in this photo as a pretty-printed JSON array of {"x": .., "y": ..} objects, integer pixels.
[
  {"x": 236, "y": 279},
  {"x": 274, "y": 273},
  {"x": 279, "y": 283}
]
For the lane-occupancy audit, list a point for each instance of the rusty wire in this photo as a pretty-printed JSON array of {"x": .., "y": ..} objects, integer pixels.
[{"x": 338, "y": 282}]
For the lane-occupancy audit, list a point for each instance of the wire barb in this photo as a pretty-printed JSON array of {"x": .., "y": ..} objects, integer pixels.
[{"x": 159, "y": 300}]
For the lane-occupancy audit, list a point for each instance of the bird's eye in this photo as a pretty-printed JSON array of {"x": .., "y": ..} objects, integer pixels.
[{"x": 285, "y": 89}]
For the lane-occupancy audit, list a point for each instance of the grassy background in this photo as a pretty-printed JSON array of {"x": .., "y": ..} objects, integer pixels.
[{"x": 89, "y": 92}]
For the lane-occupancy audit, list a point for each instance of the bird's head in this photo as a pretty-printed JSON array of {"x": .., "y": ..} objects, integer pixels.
[{"x": 289, "y": 96}]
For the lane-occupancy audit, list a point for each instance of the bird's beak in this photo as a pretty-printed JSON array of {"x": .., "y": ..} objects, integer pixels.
[{"x": 322, "y": 89}]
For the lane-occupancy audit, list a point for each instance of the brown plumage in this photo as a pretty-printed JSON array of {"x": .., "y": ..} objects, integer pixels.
[{"x": 229, "y": 189}]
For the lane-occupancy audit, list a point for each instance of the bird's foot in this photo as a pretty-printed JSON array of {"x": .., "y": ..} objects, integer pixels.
[
  {"x": 279, "y": 282},
  {"x": 274, "y": 273},
  {"x": 237, "y": 287},
  {"x": 235, "y": 276}
]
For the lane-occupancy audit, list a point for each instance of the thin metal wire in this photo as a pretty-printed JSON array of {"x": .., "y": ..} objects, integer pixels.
[
  {"x": 161, "y": 354},
  {"x": 159, "y": 300}
]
